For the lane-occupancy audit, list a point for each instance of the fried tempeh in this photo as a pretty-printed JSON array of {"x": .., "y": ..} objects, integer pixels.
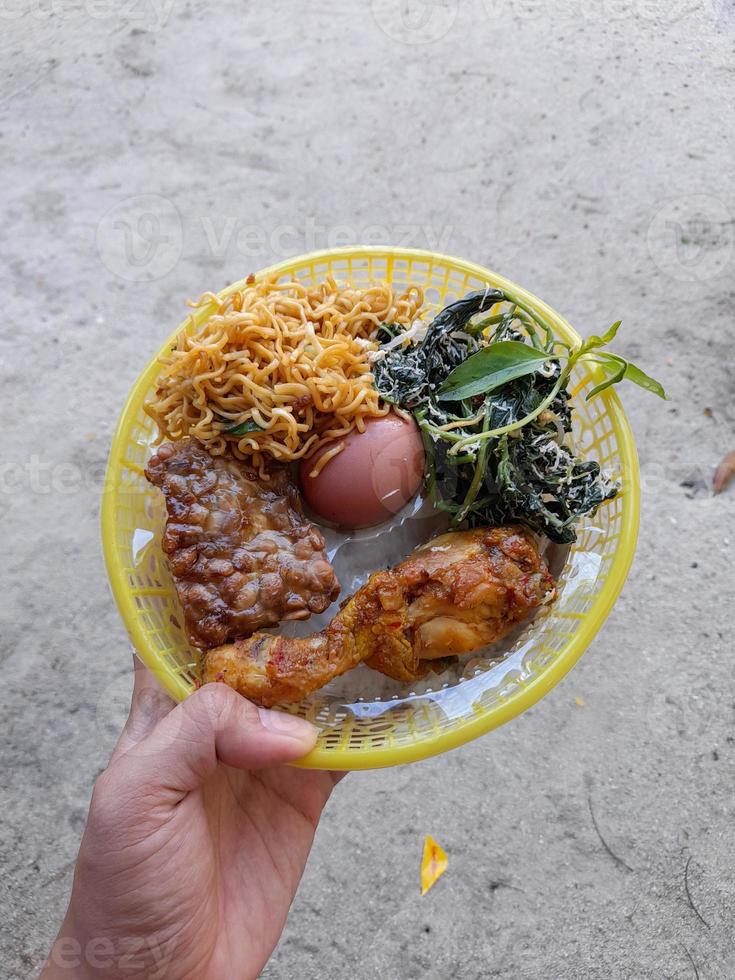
[{"x": 242, "y": 554}]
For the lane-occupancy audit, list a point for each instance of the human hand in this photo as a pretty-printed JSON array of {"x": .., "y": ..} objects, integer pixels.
[{"x": 195, "y": 842}]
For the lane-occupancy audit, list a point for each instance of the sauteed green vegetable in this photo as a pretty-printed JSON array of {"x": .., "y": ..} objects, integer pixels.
[{"x": 490, "y": 395}]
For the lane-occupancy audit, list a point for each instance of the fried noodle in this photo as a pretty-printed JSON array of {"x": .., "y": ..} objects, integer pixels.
[{"x": 287, "y": 360}]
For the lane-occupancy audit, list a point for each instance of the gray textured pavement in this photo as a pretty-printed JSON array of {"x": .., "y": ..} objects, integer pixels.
[{"x": 584, "y": 150}]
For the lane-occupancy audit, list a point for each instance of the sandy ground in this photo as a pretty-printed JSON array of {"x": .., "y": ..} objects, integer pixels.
[{"x": 587, "y": 155}]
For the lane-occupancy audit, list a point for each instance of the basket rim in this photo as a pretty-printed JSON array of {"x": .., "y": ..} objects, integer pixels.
[{"x": 463, "y": 730}]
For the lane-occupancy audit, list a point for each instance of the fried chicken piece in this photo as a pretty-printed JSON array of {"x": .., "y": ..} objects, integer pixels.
[
  {"x": 453, "y": 595},
  {"x": 240, "y": 550}
]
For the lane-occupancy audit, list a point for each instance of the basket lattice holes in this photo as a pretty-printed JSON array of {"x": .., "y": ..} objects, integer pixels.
[{"x": 398, "y": 724}]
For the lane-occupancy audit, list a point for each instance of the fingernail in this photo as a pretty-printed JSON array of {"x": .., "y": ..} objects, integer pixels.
[{"x": 281, "y": 723}]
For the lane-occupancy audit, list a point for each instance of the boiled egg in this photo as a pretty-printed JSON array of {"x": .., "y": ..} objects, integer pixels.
[{"x": 377, "y": 472}]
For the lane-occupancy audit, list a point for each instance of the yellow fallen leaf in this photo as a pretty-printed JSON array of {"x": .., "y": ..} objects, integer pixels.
[
  {"x": 579, "y": 702},
  {"x": 433, "y": 863}
]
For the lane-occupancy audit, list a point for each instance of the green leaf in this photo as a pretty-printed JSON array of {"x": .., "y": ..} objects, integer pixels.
[
  {"x": 640, "y": 378},
  {"x": 491, "y": 367},
  {"x": 594, "y": 342},
  {"x": 617, "y": 369},
  {"x": 242, "y": 428}
]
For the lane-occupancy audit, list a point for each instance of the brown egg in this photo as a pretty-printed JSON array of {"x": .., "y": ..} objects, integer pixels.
[{"x": 378, "y": 472}]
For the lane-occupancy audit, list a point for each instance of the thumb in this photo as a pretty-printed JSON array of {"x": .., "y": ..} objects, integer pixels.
[
  {"x": 149, "y": 703},
  {"x": 215, "y": 724}
]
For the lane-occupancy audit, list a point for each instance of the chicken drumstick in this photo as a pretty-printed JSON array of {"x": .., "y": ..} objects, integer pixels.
[{"x": 453, "y": 595}]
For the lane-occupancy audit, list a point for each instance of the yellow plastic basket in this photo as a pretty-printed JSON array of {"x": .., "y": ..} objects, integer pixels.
[{"x": 364, "y": 734}]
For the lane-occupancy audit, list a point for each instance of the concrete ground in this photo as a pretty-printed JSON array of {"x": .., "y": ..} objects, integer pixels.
[{"x": 156, "y": 149}]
